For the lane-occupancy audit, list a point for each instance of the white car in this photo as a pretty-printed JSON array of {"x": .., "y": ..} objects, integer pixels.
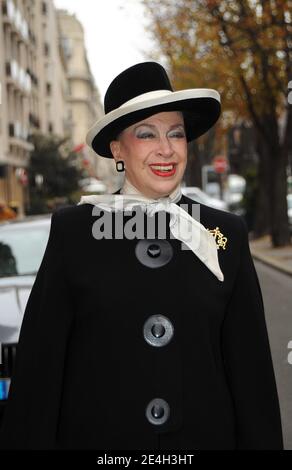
[
  {"x": 233, "y": 193},
  {"x": 200, "y": 196},
  {"x": 22, "y": 246},
  {"x": 92, "y": 185}
]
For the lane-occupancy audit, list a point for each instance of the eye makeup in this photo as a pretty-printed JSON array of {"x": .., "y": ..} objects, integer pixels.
[
  {"x": 144, "y": 131},
  {"x": 177, "y": 132}
]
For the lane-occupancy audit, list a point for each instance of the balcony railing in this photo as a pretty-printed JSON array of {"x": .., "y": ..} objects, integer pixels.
[
  {"x": 13, "y": 15},
  {"x": 17, "y": 130},
  {"x": 18, "y": 75}
]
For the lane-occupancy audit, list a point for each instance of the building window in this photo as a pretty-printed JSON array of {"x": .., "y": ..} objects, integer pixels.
[
  {"x": 46, "y": 49},
  {"x": 4, "y": 9},
  {"x": 8, "y": 69},
  {"x": 49, "y": 89},
  {"x": 11, "y": 129},
  {"x": 3, "y": 171},
  {"x": 66, "y": 44},
  {"x": 44, "y": 8}
]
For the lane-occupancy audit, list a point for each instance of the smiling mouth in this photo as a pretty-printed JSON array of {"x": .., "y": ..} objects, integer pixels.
[{"x": 163, "y": 169}]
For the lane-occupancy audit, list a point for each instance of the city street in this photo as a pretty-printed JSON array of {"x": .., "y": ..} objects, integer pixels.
[
  {"x": 276, "y": 290},
  {"x": 91, "y": 121}
]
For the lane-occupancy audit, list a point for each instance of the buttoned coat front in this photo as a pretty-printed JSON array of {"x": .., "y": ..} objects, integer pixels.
[{"x": 86, "y": 372}]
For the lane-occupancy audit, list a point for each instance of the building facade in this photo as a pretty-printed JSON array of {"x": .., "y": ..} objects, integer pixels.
[
  {"x": 51, "y": 71},
  {"x": 18, "y": 85},
  {"x": 33, "y": 87},
  {"x": 84, "y": 100},
  {"x": 46, "y": 86}
]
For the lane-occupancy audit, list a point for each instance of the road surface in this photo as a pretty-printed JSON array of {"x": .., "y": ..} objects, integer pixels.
[{"x": 277, "y": 295}]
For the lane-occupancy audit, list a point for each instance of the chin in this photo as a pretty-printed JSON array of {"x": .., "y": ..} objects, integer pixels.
[
  {"x": 166, "y": 185},
  {"x": 163, "y": 188}
]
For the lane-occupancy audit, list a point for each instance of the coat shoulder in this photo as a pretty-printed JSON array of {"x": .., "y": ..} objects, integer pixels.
[
  {"x": 72, "y": 220},
  {"x": 73, "y": 213}
]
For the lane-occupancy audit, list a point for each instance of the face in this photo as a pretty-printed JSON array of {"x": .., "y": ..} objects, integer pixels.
[{"x": 154, "y": 152}]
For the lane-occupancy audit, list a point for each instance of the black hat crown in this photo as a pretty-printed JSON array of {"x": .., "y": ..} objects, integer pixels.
[
  {"x": 134, "y": 81},
  {"x": 144, "y": 90}
]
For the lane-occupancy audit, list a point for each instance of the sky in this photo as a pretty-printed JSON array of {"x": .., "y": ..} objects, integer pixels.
[{"x": 115, "y": 35}]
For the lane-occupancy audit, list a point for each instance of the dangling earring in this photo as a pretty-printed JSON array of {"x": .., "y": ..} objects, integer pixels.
[{"x": 120, "y": 165}]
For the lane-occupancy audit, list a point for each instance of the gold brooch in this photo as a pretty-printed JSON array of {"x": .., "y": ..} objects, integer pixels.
[{"x": 219, "y": 238}]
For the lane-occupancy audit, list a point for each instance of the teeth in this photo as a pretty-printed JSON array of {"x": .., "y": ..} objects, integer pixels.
[{"x": 162, "y": 168}]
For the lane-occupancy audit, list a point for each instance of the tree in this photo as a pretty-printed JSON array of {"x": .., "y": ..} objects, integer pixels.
[
  {"x": 59, "y": 172},
  {"x": 242, "y": 48}
]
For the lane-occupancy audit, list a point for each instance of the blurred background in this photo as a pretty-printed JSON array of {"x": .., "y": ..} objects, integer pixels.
[
  {"x": 55, "y": 67},
  {"x": 57, "y": 59}
]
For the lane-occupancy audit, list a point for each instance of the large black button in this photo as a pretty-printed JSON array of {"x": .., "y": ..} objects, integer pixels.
[
  {"x": 158, "y": 330},
  {"x": 153, "y": 253},
  {"x": 157, "y": 411}
]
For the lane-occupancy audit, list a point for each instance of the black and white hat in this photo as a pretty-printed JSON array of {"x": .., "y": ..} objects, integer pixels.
[{"x": 143, "y": 90}]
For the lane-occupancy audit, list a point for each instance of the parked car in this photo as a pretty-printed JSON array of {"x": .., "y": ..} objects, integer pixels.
[
  {"x": 92, "y": 185},
  {"x": 22, "y": 245},
  {"x": 200, "y": 196},
  {"x": 233, "y": 194},
  {"x": 289, "y": 203}
]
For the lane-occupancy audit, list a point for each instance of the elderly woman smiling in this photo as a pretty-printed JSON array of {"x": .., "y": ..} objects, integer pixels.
[
  {"x": 154, "y": 152},
  {"x": 136, "y": 343}
]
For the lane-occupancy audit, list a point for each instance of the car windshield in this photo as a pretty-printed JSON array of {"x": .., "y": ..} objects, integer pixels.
[
  {"x": 289, "y": 199},
  {"x": 22, "y": 249}
]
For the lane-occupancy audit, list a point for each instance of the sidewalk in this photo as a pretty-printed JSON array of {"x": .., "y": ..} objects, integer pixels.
[{"x": 278, "y": 258}]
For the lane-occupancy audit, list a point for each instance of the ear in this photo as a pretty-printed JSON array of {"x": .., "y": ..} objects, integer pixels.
[{"x": 115, "y": 148}]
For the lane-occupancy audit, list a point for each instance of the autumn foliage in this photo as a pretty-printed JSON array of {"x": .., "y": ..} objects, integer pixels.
[{"x": 243, "y": 49}]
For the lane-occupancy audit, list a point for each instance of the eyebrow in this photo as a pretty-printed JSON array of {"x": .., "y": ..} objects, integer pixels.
[{"x": 154, "y": 127}]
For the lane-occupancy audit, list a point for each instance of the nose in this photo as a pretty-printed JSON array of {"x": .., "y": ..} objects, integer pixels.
[{"x": 165, "y": 147}]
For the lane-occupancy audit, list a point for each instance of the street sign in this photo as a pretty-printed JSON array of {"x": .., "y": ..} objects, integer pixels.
[{"x": 220, "y": 164}]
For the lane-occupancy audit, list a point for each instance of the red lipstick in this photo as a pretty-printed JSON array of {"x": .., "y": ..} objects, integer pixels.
[{"x": 170, "y": 169}]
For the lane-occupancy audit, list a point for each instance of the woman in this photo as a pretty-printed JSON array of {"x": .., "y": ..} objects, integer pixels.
[{"x": 145, "y": 342}]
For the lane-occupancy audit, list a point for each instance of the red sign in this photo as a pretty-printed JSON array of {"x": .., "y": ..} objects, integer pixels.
[
  {"x": 78, "y": 148},
  {"x": 220, "y": 164}
]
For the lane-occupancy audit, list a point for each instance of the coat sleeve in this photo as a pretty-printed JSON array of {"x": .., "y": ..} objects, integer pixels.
[
  {"x": 31, "y": 415},
  {"x": 248, "y": 361}
]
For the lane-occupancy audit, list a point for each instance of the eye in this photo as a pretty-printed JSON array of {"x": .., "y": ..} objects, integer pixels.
[
  {"x": 177, "y": 134},
  {"x": 145, "y": 135}
]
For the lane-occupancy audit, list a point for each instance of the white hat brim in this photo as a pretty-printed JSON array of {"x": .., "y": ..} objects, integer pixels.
[{"x": 149, "y": 100}]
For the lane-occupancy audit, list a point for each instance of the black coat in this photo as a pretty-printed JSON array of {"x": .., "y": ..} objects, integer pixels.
[{"x": 86, "y": 371}]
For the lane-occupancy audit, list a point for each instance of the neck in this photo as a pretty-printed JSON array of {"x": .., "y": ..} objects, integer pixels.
[{"x": 129, "y": 188}]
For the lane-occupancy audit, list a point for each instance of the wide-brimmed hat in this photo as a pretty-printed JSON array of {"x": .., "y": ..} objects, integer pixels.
[{"x": 143, "y": 90}]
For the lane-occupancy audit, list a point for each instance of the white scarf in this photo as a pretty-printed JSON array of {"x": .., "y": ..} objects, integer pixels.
[{"x": 199, "y": 240}]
